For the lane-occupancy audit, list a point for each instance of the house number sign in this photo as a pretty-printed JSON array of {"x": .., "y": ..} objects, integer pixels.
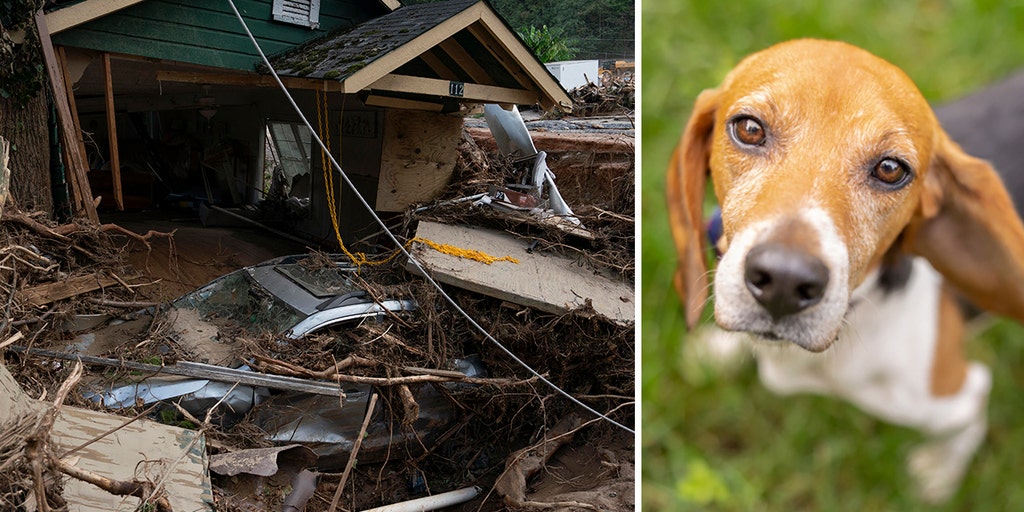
[{"x": 457, "y": 89}]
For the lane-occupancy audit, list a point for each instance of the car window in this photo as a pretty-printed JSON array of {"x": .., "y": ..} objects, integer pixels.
[{"x": 236, "y": 301}]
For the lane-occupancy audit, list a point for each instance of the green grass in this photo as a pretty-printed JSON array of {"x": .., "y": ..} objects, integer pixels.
[{"x": 722, "y": 442}]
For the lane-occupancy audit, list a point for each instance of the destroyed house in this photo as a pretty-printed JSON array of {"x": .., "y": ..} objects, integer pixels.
[{"x": 173, "y": 107}]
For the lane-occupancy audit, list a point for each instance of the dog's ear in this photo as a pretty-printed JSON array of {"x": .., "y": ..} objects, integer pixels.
[
  {"x": 686, "y": 181},
  {"x": 967, "y": 228}
]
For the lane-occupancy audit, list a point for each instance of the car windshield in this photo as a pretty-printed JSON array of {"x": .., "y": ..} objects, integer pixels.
[{"x": 235, "y": 300}]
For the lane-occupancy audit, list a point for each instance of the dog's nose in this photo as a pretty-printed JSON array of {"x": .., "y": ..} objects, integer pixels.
[{"x": 784, "y": 279}]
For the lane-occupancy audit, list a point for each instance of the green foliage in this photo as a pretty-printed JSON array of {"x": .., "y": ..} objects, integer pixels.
[
  {"x": 601, "y": 29},
  {"x": 799, "y": 453},
  {"x": 549, "y": 45},
  {"x": 22, "y": 73}
]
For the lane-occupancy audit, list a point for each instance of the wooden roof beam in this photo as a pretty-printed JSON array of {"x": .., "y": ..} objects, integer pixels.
[
  {"x": 466, "y": 61},
  {"x": 84, "y": 12},
  {"x": 474, "y": 93},
  {"x": 438, "y": 66}
]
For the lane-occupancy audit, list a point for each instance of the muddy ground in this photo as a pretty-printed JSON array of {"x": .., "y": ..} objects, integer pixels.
[{"x": 522, "y": 444}]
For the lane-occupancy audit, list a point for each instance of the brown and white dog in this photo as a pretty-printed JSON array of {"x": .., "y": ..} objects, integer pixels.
[{"x": 851, "y": 222}]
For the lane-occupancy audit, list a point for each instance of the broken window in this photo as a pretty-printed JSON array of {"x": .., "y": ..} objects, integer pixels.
[
  {"x": 305, "y": 13},
  {"x": 236, "y": 301},
  {"x": 291, "y": 147}
]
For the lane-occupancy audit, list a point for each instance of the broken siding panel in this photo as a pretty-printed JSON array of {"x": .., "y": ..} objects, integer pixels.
[
  {"x": 420, "y": 149},
  {"x": 207, "y": 33}
]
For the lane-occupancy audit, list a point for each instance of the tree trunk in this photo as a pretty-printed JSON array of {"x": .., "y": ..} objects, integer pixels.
[{"x": 26, "y": 128}]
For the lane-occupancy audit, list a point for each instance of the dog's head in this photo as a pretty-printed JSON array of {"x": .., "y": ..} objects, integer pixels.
[{"x": 824, "y": 159}]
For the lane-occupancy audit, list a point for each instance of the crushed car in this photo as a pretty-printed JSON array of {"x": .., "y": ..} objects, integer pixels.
[{"x": 290, "y": 298}]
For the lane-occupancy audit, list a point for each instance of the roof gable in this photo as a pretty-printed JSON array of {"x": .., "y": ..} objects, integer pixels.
[{"x": 423, "y": 49}]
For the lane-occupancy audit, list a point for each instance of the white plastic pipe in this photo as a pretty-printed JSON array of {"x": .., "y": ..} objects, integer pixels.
[{"x": 434, "y": 502}]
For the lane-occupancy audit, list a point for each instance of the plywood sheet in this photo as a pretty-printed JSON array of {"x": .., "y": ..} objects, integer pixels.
[
  {"x": 142, "y": 450},
  {"x": 420, "y": 149},
  {"x": 546, "y": 282}
]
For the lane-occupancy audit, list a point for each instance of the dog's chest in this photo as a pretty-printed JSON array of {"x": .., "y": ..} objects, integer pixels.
[{"x": 889, "y": 337}]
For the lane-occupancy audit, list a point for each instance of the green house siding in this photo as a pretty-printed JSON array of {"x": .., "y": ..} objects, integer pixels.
[{"x": 206, "y": 31}]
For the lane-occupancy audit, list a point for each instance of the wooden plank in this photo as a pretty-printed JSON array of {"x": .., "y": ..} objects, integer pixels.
[
  {"x": 77, "y": 162},
  {"x": 84, "y": 12},
  {"x": 374, "y": 100},
  {"x": 466, "y": 61},
  {"x": 439, "y": 67},
  {"x": 46, "y": 293},
  {"x": 546, "y": 282},
  {"x": 474, "y": 93},
  {"x": 115, "y": 157},
  {"x": 72, "y": 104},
  {"x": 143, "y": 449},
  {"x": 418, "y": 158}
]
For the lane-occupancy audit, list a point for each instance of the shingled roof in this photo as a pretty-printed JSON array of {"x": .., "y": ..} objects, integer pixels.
[
  {"x": 457, "y": 41},
  {"x": 340, "y": 54}
]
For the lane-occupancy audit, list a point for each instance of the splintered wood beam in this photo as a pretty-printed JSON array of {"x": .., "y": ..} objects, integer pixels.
[
  {"x": 63, "y": 60},
  {"x": 76, "y": 160},
  {"x": 466, "y": 61},
  {"x": 473, "y": 93},
  {"x": 247, "y": 79},
  {"x": 43, "y": 294},
  {"x": 115, "y": 158}
]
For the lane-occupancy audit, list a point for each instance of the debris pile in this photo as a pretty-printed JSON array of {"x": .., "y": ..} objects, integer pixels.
[
  {"x": 417, "y": 401},
  {"x": 614, "y": 96}
]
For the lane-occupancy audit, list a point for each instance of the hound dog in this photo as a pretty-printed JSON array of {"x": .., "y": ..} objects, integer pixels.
[{"x": 850, "y": 225}]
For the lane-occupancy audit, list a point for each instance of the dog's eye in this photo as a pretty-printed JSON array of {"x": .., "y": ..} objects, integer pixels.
[
  {"x": 891, "y": 172},
  {"x": 748, "y": 131}
]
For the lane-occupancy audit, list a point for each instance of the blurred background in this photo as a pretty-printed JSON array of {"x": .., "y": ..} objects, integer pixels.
[{"x": 715, "y": 439}]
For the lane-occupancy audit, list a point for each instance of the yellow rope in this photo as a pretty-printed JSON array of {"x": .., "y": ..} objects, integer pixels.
[
  {"x": 470, "y": 254},
  {"x": 359, "y": 258}
]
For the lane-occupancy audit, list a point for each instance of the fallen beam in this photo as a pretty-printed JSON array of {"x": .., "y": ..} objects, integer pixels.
[
  {"x": 198, "y": 371},
  {"x": 77, "y": 162},
  {"x": 52, "y": 292}
]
